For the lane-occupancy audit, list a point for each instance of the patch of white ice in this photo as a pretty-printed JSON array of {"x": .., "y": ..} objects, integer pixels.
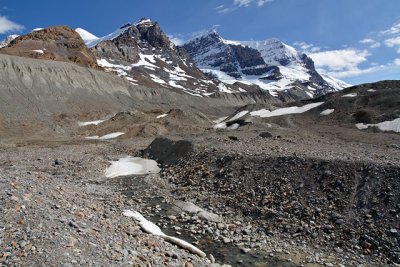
[
  {"x": 84, "y": 123},
  {"x": 131, "y": 166},
  {"x": 105, "y": 137},
  {"x": 393, "y": 125},
  {"x": 264, "y": 113},
  {"x": 162, "y": 116},
  {"x": 234, "y": 126},
  {"x": 350, "y": 95},
  {"x": 40, "y": 51},
  {"x": 327, "y": 112}
]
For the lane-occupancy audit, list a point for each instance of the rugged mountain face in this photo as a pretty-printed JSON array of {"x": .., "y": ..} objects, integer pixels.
[
  {"x": 144, "y": 55},
  {"x": 58, "y": 43},
  {"x": 270, "y": 64}
]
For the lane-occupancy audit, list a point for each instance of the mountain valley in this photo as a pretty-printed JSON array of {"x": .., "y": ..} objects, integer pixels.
[{"x": 252, "y": 157}]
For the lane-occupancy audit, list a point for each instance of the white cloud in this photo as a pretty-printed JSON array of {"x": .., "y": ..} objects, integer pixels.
[
  {"x": 307, "y": 48},
  {"x": 241, "y": 3},
  {"x": 177, "y": 39},
  {"x": 353, "y": 72},
  {"x": 393, "y": 35},
  {"x": 340, "y": 59},
  {"x": 391, "y": 42},
  {"x": 263, "y": 2},
  {"x": 371, "y": 42},
  {"x": 226, "y": 10},
  {"x": 397, "y": 61},
  {"x": 395, "y": 29},
  {"x": 7, "y": 25},
  {"x": 342, "y": 63}
]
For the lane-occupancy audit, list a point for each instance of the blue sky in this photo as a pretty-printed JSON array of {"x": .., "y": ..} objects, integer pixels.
[{"x": 355, "y": 40}]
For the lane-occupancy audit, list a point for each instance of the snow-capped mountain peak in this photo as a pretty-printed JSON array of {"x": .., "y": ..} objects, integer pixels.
[
  {"x": 111, "y": 36},
  {"x": 270, "y": 64},
  {"x": 85, "y": 35},
  {"x": 144, "y": 21},
  {"x": 8, "y": 40}
]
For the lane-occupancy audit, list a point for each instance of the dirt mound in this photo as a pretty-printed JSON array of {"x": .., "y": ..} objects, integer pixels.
[
  {"x": 167, "y": 151},
  {"x": 59, "y": 43}
]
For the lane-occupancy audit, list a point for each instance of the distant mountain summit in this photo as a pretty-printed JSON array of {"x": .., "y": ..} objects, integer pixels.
[
  {"x": 8, "y": 40},
  {"x": 59, "y": 43},
  {"x": 143, "y": 54},
  {"x": 270, "y": 64}
]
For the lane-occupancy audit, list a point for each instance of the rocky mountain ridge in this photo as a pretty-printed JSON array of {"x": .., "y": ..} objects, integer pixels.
[
  {"x": 143, "y": 54},
  {"x": 270, "y": 64}
]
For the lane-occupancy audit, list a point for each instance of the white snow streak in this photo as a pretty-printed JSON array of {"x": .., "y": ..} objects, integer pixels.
[
  {"x": 105, "y": 137},
  {"x": 84, "y": 123},
  {"x": 264, "y": 113},
  {"x": 327, "y": 112},
  {"x": 350, "y": 95}
]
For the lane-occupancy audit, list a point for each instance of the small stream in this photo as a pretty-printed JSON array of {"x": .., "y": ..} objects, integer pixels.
[{"x": 134, "y": 186}]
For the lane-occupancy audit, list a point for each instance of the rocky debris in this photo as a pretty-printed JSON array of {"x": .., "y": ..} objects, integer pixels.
[
  {"x": 59, "y": 43},
  {"x": 349, "y": 207},
  {"x": 265, "y": 135},
  {"x": 62, "y": 215},
  {"x": 192, "y": 209},
  {"x": 167, "y": 151}
]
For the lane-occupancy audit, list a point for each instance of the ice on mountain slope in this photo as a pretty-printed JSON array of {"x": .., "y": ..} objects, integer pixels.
[{"x": 86, "y": 36}]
